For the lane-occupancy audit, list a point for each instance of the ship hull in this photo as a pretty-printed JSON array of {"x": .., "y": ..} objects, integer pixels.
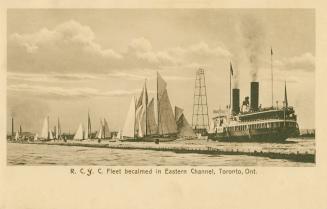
[
  {"x": 153, "y": 138},
  {"x": 267, "y": 134}
]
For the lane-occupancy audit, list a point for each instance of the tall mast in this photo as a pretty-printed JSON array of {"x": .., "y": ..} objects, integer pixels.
[
  {"x": 48, "y": 128},
  {"x": 285, "y": 104},
  {"x": 146, "y": 106},
  {"x": 58, "y": 129},
  {"x": 12, "y": 126},
  {"x": 134, "y": 98},
  {"x": 230, "y": 85},
  {"x": 90, "y": 131},
  {"x": 158, "y": 105},
  {"x": 104, "y": 128},
  {"x": 272, "y": 77},
  {"x": 88, "y": 123}
]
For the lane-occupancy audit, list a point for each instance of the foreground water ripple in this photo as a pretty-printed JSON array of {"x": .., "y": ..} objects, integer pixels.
[{"x": 32, "y": 154}]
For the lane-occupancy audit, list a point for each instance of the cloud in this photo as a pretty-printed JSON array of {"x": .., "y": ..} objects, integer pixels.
[
  {"x": 71, "y": 48},
  {"x": 304, "y": 62},
  {"x": 52, "y": 77},
  {"x": 70, "y": 33},
  {"x": 58, "y": 92},
  {"x": 138, "y": 74}
]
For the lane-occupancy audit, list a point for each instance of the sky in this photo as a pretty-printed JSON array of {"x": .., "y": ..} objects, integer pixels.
[{"x": 63, "y": 63}]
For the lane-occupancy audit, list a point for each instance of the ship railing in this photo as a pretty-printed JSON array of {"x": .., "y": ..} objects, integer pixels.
[{"x": 263, "y": 121}]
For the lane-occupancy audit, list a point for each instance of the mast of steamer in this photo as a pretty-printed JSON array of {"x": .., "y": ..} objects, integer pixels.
[
  {"x": 158, "y": 105},
  {"x": 146, "y": 106}
]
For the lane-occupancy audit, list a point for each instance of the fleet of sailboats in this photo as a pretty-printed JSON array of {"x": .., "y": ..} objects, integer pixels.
[{"x": 147, "y": 120}]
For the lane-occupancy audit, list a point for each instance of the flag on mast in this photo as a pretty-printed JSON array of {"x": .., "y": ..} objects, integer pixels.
[
  {"x": 271, "y": 51},
  {"x": 231, "y": 68}
]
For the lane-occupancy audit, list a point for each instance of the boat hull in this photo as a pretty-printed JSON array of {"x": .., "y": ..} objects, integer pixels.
[
  {"x": 267, "y": 134},
  {"x": 152, "y": 139}
]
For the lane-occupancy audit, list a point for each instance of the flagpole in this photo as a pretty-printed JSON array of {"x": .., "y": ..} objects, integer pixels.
[
  {"x": 146, "y": 107},
  {"x": 272, "y": 78},
  {"x": 230, "y": 86},
  {"x": 158, "y": 104}
]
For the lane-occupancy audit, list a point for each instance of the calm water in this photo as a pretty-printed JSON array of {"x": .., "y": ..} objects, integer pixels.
[{"x": 33, "y": 154}]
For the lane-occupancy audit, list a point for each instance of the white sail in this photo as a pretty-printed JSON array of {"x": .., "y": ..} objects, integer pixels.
[
  {"x": 140, "y": 133},
  {"x": 79, "y": 133},
  {"x": 166, "y": 119},
  {"x": 106, "y": 133},
  {"x": 129, "y": 126},
  {"x": 161, "y": 85},
  {"x": 152, "y": 127},
  {"x": 55, "y": 133},
  {"x": 141, "y": 111},
  {"x": 89, "y": 131},
  {"x": 140, "y": 120},
  {"x": 45, "y": 128},
  {"x": 17, "y": 135},
  {"x": 183, "y": 127},
  {"x": 100, "y": 132},
  {"x": 86, "y": 135},
  {"x": 50, "y": 134},
  {"x": 36, "y": 137},
  {"x": 178, "y": 113},
  {"x": 58, "y": 133}
]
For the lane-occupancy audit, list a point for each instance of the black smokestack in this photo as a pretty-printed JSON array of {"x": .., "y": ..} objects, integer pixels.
[
  {"x": 236, "y": 101},
  {"x": 254, "y": 96}
]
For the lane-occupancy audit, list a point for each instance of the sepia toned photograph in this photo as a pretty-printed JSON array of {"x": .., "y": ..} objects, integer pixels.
[{"x": 161, "y": 87}]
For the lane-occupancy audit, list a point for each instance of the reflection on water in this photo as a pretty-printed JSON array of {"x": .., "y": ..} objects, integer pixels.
[{"x": 32, "y": 154}]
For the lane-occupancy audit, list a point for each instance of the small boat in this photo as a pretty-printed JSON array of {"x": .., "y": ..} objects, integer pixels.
[
  {"x": 35, "y": 137},
  {"x": 17, "y": 137}
]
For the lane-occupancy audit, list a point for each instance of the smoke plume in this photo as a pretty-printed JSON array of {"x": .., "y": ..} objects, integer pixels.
[
  {"x": 253, "y": 36},
  {"x": 235, "y": 63}
]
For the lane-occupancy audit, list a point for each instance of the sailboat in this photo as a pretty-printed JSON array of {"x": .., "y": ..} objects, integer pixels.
[
  {"x": 79, "y": 135},
  {"x": 141, "y": 125},
  {"x": 17, "y": 136},
  {"x": 99, "y": 134},
  {"x": 129, "y": 125},
  {"x": 89, "y": 130},
  {"x": 103, "y": 132},
  {"x": 46, "y": 133},
  {"x": 106, "y": 133},
  {"x": 183, "y": 127},
  {"x": 58, "y": 131},
  {"x": 82, "y": 133}
]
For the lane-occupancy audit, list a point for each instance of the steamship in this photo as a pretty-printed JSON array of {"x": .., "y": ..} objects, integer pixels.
[{"x": 251, "y": 122}]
